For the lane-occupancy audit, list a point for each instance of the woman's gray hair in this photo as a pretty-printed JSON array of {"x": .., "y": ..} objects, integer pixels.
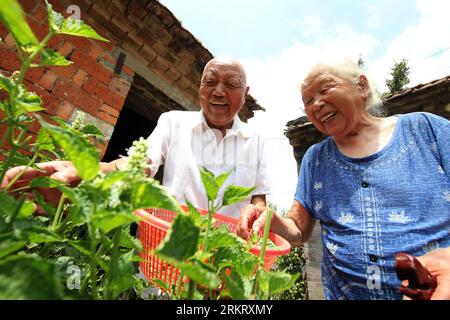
[{"x": 349, "y": 70}]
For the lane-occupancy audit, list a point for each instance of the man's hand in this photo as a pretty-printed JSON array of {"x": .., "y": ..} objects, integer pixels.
[
  {"x": 438, "y": 263},
  {"x": 63, "y": 171}
]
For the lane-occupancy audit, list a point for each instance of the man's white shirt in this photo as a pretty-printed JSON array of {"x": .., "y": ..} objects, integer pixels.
[{"x": 182, "y": 142}]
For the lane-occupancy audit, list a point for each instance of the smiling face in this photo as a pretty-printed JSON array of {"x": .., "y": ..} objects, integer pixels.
[
  {"x": 222, "y": 92},
  {"x": 334, "y": 105}
]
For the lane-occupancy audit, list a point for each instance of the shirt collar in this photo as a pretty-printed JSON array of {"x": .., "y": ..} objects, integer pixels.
[{"x": 237, "y": 127}]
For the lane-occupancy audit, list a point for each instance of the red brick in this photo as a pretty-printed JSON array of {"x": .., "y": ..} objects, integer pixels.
[
  {"x": 118, "y": 27},
  {"x": 66, "y": 72},
  {"x": 121, "y": 86},
  {"x": 39, "y": 29},
  {"x": 159, "y": 65},
  {"x": 104, "y": 93},
  {"x": 27, "y": 5},
  {"x": 106, "y": 117},
  {"x": 40, "y": 14},
  {"x": 183, "y": 83},
  {"x": 48, "y": 80},
  {"x": 79, "y": 78},
  {"x": 91, "y": 67},
  {"x": 9, "y": 60},
  {"x": 55, "y": 42},
  {"x": 49, "y": 101},
  {"x": 9, "y": 41},
  {"x": 34, "y": 74},
  {"x": 65, "y": 110},
  {"x": 3, "y": 31},
  {"x": 110, "y": 110},
  {"x": 99, "y": 14},
  {"x": 66, "y": 48},
  {"x": 128, "y": 71},
  {"x": 95, "y": 52},
  {"x": 80, "y": 98},
  {"x": 137, "y": 9},
  {"x": 80, "y": 43}
]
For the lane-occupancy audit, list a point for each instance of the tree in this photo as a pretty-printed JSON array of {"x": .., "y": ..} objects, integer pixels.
[
  {"x": 361, "y": 63},
  {"x": 399, "y": 76}
]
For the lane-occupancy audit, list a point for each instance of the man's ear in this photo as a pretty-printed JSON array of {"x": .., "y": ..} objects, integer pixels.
[
  {"x": 364, "y": 84},
  {"x": 247, "y": 90}
]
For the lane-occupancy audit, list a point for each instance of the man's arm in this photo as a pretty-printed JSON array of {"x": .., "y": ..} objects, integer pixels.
[{"x": 259, "y": 200}]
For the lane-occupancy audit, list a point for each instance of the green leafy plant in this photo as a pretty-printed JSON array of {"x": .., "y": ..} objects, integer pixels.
[
  {"x": 213, "y": 257},
  {"x": 89, "y": 228}
]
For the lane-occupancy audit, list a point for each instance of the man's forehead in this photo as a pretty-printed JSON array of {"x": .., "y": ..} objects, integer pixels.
[{"x": 224, "y": 68}]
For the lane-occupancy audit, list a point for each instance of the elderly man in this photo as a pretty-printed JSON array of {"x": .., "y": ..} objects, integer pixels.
[{"x": 183, "y": 140}]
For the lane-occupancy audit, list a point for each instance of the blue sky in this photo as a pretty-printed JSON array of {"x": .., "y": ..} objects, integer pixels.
[
  {"x": 278, "y": 41},
  {"x": 262, "y": 28}
]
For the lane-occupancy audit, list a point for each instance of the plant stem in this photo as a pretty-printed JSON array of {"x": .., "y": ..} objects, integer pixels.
[
  {"x": 17, "y": 177},
  {"x": 93, "y": 263},
  {"x": 262, "y": 254},
  {"x": 58, "y": 213},
  {"x": 113, "y": 265},
  {"x": 191, "y": 289}
]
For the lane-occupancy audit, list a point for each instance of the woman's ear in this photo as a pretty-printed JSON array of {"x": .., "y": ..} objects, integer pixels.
[{"x": 364, "y": 84}]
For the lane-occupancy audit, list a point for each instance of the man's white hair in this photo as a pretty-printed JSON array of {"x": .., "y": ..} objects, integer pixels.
[{"x": 228, "y": 60}]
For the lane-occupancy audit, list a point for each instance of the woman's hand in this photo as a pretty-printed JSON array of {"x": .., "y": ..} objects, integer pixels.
[{"x": 438, "y": 263}]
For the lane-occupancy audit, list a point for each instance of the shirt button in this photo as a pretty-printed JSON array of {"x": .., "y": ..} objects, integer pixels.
[{"x": 364, "y": 184}]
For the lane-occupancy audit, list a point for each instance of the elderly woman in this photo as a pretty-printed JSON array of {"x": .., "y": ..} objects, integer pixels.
[{"x": 378, "y": 186}]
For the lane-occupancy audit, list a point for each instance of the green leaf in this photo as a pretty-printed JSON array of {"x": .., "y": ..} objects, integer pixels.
[
  {"x": 82, "y": 246},
  {"x": 199, "y": 273},
  {"x": 107, "y": 221},
  {"x": 221, "y": 238},
  {"x": 150, "y": 194},
  {"x": 199, "y": 220},
  {"x": 276, "y": 281},
  {"x": 9, "y": 245},
  {"x": 44, "y": 141},
  {"x": 210, "y": 183},
  {"x": 237, "y": 286},
  {"x": 90, "y": 129},
  {"x": 122, "y": 277},
  {"x": 128, "y": 241},
  {"x": 55, "y": 19},
  {"x": 50, "y": 57},
  {"x": 181, "y": 241},
  {"x": 235, "y": 194},
  {"x": 12, "y": 16},
  {"x": 29, "y": 277},
  {"x": 28, "y": 101},
  {"x": 221, "y": 178},
  {"x": 9, "y": 206},
  {"x": 41, "y": 235},
  {"x": 83, "y": 155},
  {"x": 75, "y": 27},
  {"x": 6, "y": 83}
]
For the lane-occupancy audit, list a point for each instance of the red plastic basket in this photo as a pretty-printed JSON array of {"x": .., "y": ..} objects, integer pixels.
[{"x": 153, "y": 229}]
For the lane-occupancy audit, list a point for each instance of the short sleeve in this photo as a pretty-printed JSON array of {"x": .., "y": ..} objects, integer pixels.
[
  {"x": 158, "y": 142},
  {"x": 304, "y": 184},
  {"x": 441, "y": 129}
]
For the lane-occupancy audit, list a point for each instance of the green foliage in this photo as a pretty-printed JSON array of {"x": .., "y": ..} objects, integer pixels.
[
  {"x": 399, "y": 76},
  {"x": 292, "y": 263}
]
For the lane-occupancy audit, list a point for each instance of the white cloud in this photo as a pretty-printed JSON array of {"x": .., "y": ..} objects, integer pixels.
[
  {"x": 275, "y": 81},
  {"x": 419, "y": 44}
]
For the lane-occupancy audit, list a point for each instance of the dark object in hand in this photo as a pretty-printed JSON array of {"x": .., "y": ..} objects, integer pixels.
[{"x": 421, "y": 283}]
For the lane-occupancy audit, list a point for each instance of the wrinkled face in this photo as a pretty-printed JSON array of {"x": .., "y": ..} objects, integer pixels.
[
  {"x": 222, "y": 93},
  {"x": 334, "y": 105}
]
